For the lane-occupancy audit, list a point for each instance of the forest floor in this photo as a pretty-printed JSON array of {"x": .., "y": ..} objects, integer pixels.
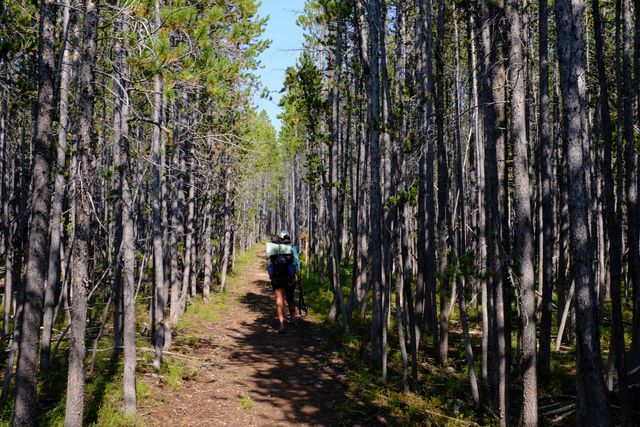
[{"x": 233, "y": 368}]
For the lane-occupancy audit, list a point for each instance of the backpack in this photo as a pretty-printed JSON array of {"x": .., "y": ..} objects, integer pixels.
[{"x": 281, "y": 267}]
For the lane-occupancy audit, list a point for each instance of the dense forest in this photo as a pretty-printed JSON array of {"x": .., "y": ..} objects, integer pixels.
[
  {"x": 462, "y": 176},
  {"x": 473, "y": 163},
  {"x": 127, "y": 132}
]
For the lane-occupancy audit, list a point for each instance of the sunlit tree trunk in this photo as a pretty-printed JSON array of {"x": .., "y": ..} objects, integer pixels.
[
  {"x": 80, "y": 277},
  {"x": 522, "y": 207}
]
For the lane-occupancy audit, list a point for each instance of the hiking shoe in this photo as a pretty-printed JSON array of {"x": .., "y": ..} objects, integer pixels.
[{"x": 281, "y": 329}]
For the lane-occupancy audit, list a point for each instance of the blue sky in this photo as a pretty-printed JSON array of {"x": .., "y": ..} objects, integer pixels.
[{"x": 286, "y": 41}]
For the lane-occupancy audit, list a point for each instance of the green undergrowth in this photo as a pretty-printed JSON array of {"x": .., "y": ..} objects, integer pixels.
[
  {"x": 442, "y": 395},
  {"x": 104, "y": 394},
  {"x": 202, "y": 311},
  {"x": 175, "y": 369}
]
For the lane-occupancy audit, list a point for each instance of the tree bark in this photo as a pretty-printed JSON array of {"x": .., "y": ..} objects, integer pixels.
[
  {"x": 633, "y": 210},
  {"x": 491, "y": 89},
  {"x": 127, "y": 206},
  {"x": 426, "y": 280},
  {"x": 376, "y": 213},
  {"x": 177, "y": 228},
  {"x": 24, "y": 411},
  {"x": 525, "y": 275},
  {"x": 591, "y": 402},
  {"x": 81, "y": 243},
  {"x": 443, "y": 190},
  {"x": 208, "y": 247},
  {"x": 226, "y": 241},
  {"x": 548, "y": 223},
  {"x": 52, "y": 292},
  {"x": 160, "y": 299}
]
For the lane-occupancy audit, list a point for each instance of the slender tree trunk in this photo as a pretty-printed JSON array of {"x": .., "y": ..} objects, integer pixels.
[
  {"x": 187, "y": 162},
  {"x": 52, "y": 292},
  {"x": 24, "y": 411},
  {"x": 482, "y": 241},
  {"x": 334, "y": 128},
  {"x": 177, "y": 229},
  {"x": 226, "y": 241},
  {"x": 443, "y": 190},
  {"x": 10, "y": 230},
  {"x": 460, "y": 247},
  {"x": 633, "y": 210},
  {"x": 120, "y": 108},
  {"x": 522, "y": 195},
  {"x": 159, "y": 296},
  {"x": 612, "y": 217},
  {"x": 127, "y": 206},
  {"x": 491, "y": 82},
  {"x": 81, "y": 242},
  {"x": 548, "y": 224},
  {"x": 426, "y": 280},
  {"x": 376, "y": 213},
  {"x": 591, "y": 403},
  {"x": 208, "y": 248}
]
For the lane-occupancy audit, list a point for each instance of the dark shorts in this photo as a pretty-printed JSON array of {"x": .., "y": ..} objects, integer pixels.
[{"x": 288, "y": 285}]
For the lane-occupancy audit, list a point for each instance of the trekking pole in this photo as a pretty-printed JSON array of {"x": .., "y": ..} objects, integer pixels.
[{"x": 301, "y": 304}]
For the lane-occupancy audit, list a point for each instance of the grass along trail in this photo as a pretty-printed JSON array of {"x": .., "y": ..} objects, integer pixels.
[{"x": 229, "y": 366}]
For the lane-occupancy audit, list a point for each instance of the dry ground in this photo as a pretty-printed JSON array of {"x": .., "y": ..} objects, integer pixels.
[{"x": 250, "y": 375}]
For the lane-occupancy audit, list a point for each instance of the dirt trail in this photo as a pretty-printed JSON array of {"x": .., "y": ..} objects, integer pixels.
[{"x": 250, "y": 375}]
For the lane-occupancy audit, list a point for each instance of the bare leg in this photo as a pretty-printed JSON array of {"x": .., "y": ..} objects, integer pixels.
[{"x": 280, "y": 296}]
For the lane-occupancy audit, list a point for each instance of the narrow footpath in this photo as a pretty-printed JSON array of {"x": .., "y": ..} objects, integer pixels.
[{"x": 247, "y": 374}]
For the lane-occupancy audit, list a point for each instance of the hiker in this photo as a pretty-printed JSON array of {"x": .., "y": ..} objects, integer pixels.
[{"x": 284, "y": 270}]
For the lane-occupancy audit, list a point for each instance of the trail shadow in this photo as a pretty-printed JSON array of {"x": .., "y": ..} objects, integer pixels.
[{"x": 293, "y": 370}]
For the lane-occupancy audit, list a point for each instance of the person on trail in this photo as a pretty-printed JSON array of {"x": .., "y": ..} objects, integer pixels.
[{"x": 284, "y": 270}]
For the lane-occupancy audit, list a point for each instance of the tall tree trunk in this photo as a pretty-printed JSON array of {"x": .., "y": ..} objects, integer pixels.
[
  {"x": 127, "y": 206},
  {"x": 612, "y": 217},
  {"x": 334, "y": 129},
  {"x": 9, "y": 238},
  {"x": 52, "y": 292},
  {"x": 523, "y": 236},
  {"x": 120, "y": 108},
  {"x": 460, "y": 248},
  {"x": 177, "y": 228},
  {"x": 160, "y": 299},
  {"x": 376, "y": 213},
  {"x": 591, "y": 402},
  {"x": 188, "y": 167},
  {"x": 548, "y": 223},
  {"x": 633, "y": 210},
  {"x": 425, "y": 304},
  {"x": 81, "y": 242},
  {"x": 491, "y": 89},
  {"x": 443, "y": 190},
  {"x": 479, "y": 146},
  {"x": 37, "y": 250},
  {"x": 208, "y": 247}
]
